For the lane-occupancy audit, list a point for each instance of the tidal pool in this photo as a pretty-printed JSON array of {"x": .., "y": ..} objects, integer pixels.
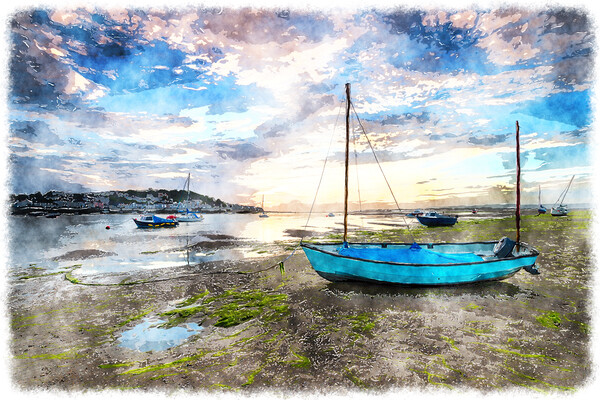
[{"x": 149, "y": 336}]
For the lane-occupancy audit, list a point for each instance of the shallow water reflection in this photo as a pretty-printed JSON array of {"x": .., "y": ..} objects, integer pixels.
[{"x": 148, "y": 336}]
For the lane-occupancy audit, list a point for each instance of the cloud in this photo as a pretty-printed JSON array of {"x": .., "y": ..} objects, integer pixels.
[
  {"x": 240, "y": 151},
  {"x": 35, "y": 131}
]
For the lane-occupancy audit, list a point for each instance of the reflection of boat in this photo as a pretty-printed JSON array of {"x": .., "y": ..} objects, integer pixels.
[
  {"x": 433, "y": 218},
  {"x": 561, "y": 210},
  {"x": 414, "y": 264},
  {"x": 152, "y": 221},
  {"x": 264, "y": 214},
  {"x": 187, "y": 215},
  {"x": 414, "y": 213}
]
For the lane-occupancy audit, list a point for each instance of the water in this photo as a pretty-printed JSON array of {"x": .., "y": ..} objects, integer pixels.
[
  {"x": 49, "y": 243},
  {"x": 148, "y": 336}
]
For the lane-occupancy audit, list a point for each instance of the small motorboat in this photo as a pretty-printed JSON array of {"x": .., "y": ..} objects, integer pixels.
[
  {"x": 152, "y": 221},
  {"x": 433, "y": 218}
]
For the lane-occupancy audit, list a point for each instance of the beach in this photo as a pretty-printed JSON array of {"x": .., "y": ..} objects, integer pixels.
[{"x": 226, "y": 316}]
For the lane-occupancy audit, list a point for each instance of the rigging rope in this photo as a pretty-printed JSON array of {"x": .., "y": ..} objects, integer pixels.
[
  {"x": 322, "y": 173},
  {"x": 380, "y": 168}
]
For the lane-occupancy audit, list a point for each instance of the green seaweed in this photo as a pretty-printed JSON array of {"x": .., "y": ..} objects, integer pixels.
[
  {"x": 301, "y": 362},
  {"x": 252, "y": 375},
  {"x": 516, "y": 353},
  {"x": 354, "y": 379},
  {"x": 550, "y": 319},
  {"x": 362, "y": 323},
  {"x": 232, "y": 308},
  {"x": 157, "y": 367},
  {"x": 117, "y": 365}
]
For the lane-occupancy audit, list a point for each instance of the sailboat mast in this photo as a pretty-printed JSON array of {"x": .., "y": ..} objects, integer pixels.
[
  {"x": 346, "y": 164},
  {"x": 188, "y": 191},
  {"x": 566, "y": 190},
  {"x": 518, "y": 211}
]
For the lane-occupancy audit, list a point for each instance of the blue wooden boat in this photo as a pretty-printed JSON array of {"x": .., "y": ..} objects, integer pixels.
[
  {"x": 152, "y": 221},
  {"x": 541, "y": 208},
  {"x": 433, "y": 218},
  {"x": 419, "y": 264}
]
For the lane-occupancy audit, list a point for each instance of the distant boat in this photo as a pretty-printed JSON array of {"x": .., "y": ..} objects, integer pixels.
[
  {"x": 52, "y": 215},
  {"x": 152, "y": 221},
  {"x": 330, "y": 215},
  {"x": 436, "y": 219},
  {"x": 264, "y": 214},
  {"x": 187, "y": 215},
  {"x": 414, "y": 264},
  {"x": 474, "y": 211},
  {"x": 561, "y": 210},
  {"x": 414, "y": 213},
  {"x": 541, "y": 208}
]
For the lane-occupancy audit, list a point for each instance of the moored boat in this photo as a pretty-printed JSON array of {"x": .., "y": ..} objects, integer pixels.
[
  {"x": 433, "y": 218},
  {"x": 414, "y": 213},
  {"x": 541, "y": 208},
  {"x": 187, "y": 215},
  {"x": 420, "y": 264},
  {"x": 561, "y": 210},
  {"x": 262, "y": 207},
  {"x": 152, "y": 221}
]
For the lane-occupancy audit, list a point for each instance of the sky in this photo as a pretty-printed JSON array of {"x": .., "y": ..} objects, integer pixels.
[{"x": 250, "y": 101}]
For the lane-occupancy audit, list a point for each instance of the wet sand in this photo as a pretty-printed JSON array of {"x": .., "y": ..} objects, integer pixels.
[{"x": 264, "y": 330}]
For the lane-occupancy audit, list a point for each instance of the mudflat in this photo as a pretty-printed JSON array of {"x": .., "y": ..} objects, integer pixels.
[{"x": 250, "y": 325}]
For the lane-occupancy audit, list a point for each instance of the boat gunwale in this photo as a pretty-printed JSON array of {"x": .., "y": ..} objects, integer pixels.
[{"x": 534, "y": 253}]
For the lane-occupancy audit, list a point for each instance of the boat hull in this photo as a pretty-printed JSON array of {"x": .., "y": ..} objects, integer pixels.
[
  {"x": 437, "y": 221},
  {"x": 559, "y": 212},
  {"x": 156, "y": 223},
  {"x": 329, "y": 264},
  {"x": 189, "y": 217}
]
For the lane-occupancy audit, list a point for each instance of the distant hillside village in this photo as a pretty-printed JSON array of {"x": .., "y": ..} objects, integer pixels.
[{"x": 129, "y": 201}]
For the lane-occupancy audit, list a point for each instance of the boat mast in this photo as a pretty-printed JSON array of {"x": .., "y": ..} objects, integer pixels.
[
  {"x": 346, "y": 165},
  {"x": 567, "y": 189},
  {"x": 518, "y": 211},
  {"x": 188, "y": 190}
]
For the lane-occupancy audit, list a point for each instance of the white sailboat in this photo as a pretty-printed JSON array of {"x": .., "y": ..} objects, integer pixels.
[
  {"x": 262, "y": 206},
  {"x": 561, "y": 210},
  {"x": 187, "y": 215}
]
